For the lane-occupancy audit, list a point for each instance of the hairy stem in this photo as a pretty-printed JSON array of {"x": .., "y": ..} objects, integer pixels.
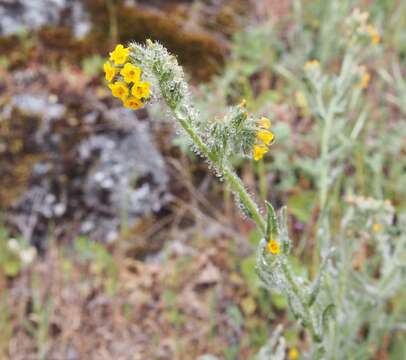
[
  {"x": 229, "y": 175},
  {"x": 236, "y": 184}
]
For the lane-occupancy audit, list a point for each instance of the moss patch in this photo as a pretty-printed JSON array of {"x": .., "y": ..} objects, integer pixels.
[
  {"x": 202, "y": 53},
  {"x": 17, "y": 156}
]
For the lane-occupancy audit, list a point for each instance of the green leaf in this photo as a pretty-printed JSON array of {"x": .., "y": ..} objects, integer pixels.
[
  {"x": 316, "y": 285},
  {"x": 328, "y": 312},
  {"x": 271, "y": 224}
]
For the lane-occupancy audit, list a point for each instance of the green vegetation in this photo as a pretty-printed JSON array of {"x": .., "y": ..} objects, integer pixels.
[{"x": 331, "y": 285}]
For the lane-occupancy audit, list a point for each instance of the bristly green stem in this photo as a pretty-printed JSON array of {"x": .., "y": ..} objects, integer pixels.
[
  {"x": 232, "y": 179},
  {"x": 236, "y": 184}
]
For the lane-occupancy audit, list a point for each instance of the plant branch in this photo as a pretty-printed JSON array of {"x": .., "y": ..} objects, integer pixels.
[{"x": 229, "y": 175}]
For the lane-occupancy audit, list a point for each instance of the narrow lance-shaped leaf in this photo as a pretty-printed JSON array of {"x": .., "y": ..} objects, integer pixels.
[
  {"x": 271, "y": 224},
  {"x": 329, "y": 312},
  {"x": 282, "y": 221},
  {"x": 296, "y": 313},
  {"x": 316, "y": 285}
]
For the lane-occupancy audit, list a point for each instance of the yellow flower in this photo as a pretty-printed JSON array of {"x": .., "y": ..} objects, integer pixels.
[
  {"x": 119, "y": 89},
  {"x": 293, "y": 354},
  {"x": 312, "y": 65},
  {"x": 301, "y": 100},
  {"x": 109, "y": 71},
  {"x": 131, "y": 73},
  {"x": 243, "y": 103},
  {"x": 264, "y": 122},
  {"x": 259, "y": 151},
  {"x": 364, "y": 82},
  {"x": 273, "y": 247},
  {"x": 133, "y": 103},
  {"x": 141, "y": 90},
  {"x": 119, "y": 55},
  {"x": 265, "y": 135},
  {"x": 376, "y": 228},
  {"x": 373, "y": 33}
]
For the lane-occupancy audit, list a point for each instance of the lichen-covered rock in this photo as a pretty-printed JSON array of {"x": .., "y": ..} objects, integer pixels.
[
  {"x": 202, "y": 52},
  {"x": 72, "y": 30},
  {"x": 70, "y": 162},
  {"x": 25, "y": 15},
  {"x": 129, "y": 178}
]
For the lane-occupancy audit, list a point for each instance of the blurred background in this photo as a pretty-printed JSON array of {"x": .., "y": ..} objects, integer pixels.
[{"x": 116, "y": 241}]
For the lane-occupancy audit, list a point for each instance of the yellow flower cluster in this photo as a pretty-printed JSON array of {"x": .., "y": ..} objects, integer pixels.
[
  {"x": 312, "y": 65},
  {"x": 264, "y": 138},
  {"x": 364, "y": 77},
  {"x": 377, "y": 227},
  {"x": 373, "y": 33},
  {"x": 273, "y": 247},
  {"x": 293, "y": 354},
  {"x": 128, "y": 87},
  {"x": 364, "y": 82},
  {"x": 358, "y": 21}
]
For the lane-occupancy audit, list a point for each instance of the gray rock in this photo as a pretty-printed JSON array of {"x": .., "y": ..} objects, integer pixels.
[
  {"x": 115, "y": 174},
  {"x": 42, "y": 105},
  {"x": 129, "y": 178},
  {"x": 23, "y": 15}
]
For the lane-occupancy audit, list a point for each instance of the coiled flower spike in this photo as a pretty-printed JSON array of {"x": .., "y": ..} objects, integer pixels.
[
  {"x": 373, "y": 33},
  {"x": 362, "y": 77},
  {"x": 312, "y": 65},
  {"x": 358, "y": 28},
  {"x": 125, "y": 79}
]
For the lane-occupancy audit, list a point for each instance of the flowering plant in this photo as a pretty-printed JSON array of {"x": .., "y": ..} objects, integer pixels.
[
  {"x": 138, "y": 74},
  {"x": 216, "y": 142}
]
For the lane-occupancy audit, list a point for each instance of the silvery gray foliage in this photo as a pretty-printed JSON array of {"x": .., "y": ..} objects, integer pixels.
[
  {"x": 369, "y": 271},
  {"x": 353, "y": 289}
]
